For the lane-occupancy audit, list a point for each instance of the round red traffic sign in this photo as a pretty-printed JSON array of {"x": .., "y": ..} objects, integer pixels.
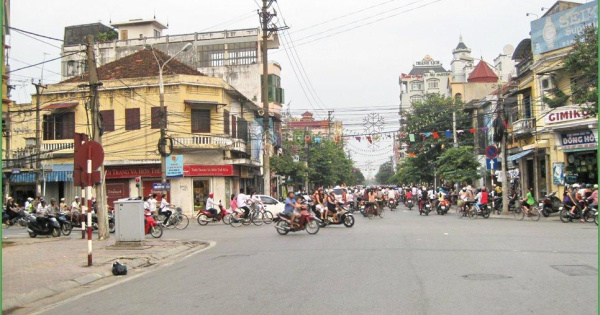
[
  {"x": 491, "y": 151},
  {"x": 90, "y": 150}
]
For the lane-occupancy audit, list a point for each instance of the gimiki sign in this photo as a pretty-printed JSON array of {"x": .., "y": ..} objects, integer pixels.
[{"x": 565, "y": 114}]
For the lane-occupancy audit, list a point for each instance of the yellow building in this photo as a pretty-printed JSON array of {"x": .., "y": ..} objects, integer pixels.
[{"x": 210, "y": 123}]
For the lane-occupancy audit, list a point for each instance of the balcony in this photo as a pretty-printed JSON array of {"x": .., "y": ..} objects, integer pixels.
[
  {"x": 210, "y": 142},
  {"x": 523, "y": 126},
  {"x": 58, "y": 147}
]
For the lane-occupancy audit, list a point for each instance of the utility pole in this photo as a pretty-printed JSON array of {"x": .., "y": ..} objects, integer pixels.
[
  {"x": 307, "y": 158},
  {"x": 329, "y": 112},
  {"x": 454, "y": 126},
  {"x": 504, "y": 158},
  {"x": 38, "y": 143},
  {"x": 96, "y": 135}
]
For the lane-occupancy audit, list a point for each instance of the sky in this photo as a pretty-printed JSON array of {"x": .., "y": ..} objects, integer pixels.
[{"x": 340, "y": 55}]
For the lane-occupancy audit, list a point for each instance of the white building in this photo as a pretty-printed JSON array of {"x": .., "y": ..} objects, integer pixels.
[
  {"x": 462, "y": 62},
  {"x": 426, "y": 76}
]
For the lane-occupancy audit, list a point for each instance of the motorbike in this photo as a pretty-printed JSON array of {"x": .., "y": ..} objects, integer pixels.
[
  {"x": 20, "y": 220},
  {"x": 512, "y": 203},
  {"x": 484, "y": 211},
  {"x": 585, "y": 212},
  {"x": 443, "y": 207},
  {"x": 409, "y": 204},
  {"x": 307, "y": 222},
  {"x": 204, "y": 216},
  {"x": 151, "y": 226},
  {"x": 344, "y": 217},
  {"x": 426, "y": 208},
  {"x": 65, "y": 225},
  {"x": 550, "y": 204},
  {"x": 49, "y": 227},
  {"x": 392, "y": 204}
]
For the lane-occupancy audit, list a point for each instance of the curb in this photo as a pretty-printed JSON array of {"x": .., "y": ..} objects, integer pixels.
[{"x": 42, "y": 293}]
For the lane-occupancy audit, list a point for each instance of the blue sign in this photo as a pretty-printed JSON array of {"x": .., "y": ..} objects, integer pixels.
[
  {"x": 175, "y": 166},
  {"x": 559, "y": 30},
  {"x": 570, "y": 140},
  {"x": 491, "y": 151},
  {"x": 492, "y": 164},
  {"x": 160, "y": 186}
]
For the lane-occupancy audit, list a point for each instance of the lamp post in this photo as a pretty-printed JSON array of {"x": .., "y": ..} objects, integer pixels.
[{"x": 163, "y": 112}]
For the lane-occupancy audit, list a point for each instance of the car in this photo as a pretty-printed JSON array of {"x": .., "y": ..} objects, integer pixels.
[
  {"x": 271, "y": 204},
  {"x": 337, "y": 190}
]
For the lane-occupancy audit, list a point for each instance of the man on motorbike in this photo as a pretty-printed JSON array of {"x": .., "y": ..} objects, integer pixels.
[
  {"x": 210, "y": 205},
  {"x": 289, "y": 208},
  {"x": 42, "y": 214},
  {"x": 482, "y": 198},
  {"x": 391, "y": 196},
  {"x": 12, "y": 210},
  {"x": 594, "y": 197},
  {"x": 241, "y": 203}
]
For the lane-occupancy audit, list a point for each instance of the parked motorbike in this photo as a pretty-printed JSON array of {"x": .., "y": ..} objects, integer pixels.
[
  {"x": 550, "y": 204},
  {"x": 50, "y": 226},
  {"x": 204, "y": 216},
  {"x": 151, "y": 226},
  {"x": 512, "y": 203},
  {"x": 307, "y": 222},
  {"x": 65, "y": 225},
  {"x": 344, "y": 217}
]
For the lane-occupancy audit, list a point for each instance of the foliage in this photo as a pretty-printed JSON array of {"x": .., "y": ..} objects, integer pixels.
[
  {"x": 359, "y": 177},
  {"x": 582, "y": 66},
  {"x": 385, "y": 173},
  {"x": 329, "y": 165},
  {"x": 284, "y": 165},
  {"x": 559, "y": 98},
  {"x": 107, "y": 36},
  {"x": 458, "y": 165},
  {"x": 410, "y": 172}
]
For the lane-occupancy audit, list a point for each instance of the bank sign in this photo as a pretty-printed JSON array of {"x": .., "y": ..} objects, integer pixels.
[
  {"x": 559, "y": 30},
  {"x": 578, "y": 140},
  {"x": 565, "y": 114}
]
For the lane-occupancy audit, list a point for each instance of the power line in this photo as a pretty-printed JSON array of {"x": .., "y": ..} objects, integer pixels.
[
  {"x": 43, "y": 62},
  {"x": 32, "y": 33}
]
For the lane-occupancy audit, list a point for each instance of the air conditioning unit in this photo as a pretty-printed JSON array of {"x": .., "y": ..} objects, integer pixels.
[
  {"x": 227, "y": 154},
  {"x": 548, "y": 82}
]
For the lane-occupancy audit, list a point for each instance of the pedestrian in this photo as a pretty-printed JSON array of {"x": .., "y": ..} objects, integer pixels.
[{"x": 152, "y": 202}]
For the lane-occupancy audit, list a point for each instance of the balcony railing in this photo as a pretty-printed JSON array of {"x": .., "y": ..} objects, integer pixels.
[
  {"x": 58, "y": 146},
  {"x": 210, "y": 142},
  {"x": 523, "y": 126}
]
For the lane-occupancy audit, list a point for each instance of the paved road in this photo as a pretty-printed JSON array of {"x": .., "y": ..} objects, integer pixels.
[{"x": 402, "y": 264}]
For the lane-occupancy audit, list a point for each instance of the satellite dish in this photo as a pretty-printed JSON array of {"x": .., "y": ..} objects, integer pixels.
[{"x": 508, "y": 49}]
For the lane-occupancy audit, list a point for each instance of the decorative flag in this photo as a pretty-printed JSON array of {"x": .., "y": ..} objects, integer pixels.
[
  {"x": 426, "y": 134},
  {"x": 411, "y": 137},
  {"x": 336, "y": 138},
  {"x": 484, "y": 128},
  {"x": 307, "y": 139},
  {"x": 412, "y": 154},
  {"x": 357, "y": 138},
  {"x": 317, "y": 140},
  {"x": 448, "y": 134},
  {"x": 369, "y": 139},
  {"x": 460, "y": 131},
  {"x": 436, "y": 135},
  {"x": 472, "y": 130}
]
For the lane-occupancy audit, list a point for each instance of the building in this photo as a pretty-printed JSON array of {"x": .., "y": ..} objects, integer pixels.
[
  {"x": 462, "y": 62},
  {"x": 211, "y": 127},
  {"x": 426, "y": 76},
  {"x": 315, "y": 127}
]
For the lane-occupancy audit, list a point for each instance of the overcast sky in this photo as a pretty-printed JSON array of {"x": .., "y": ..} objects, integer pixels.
[{"x": 350, "y": 52}]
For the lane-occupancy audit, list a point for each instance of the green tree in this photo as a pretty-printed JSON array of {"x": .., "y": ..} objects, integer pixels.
[
  {"x": 385, "y": 173},
  {"x": 359, "y": 177},
  {"x": 284, "y": 165},
  {"x": 582, "y": 66},
  {"x": 410, "y": 172},
  {"x": 329, "y": 165},
  {"x": 457, "y": 165},
  {"x": 107, "y": 36}
]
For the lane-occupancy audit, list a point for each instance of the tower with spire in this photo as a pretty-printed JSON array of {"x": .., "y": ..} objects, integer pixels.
[{"x": 462, "y": 62}]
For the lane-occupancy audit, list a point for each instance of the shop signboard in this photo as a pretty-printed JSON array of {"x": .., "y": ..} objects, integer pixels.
[
  {"x": 208, "y": 170},
  {"x": 559, "y": 30},
  {"x": 133, "y": 171},
  {"x": 558, "y": 173},
  {"x": 574, "y": 140},
  {"x": 174, "y": 166},
  {"x": 564, "y": 114}
]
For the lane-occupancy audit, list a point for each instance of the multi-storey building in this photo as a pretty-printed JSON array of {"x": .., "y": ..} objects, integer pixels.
[
  {"x": 316, "y": 127},
  {"x": 211, "y": 126}
]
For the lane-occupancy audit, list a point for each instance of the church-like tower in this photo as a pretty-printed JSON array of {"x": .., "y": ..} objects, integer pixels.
[{"x": 462, "y": 62}]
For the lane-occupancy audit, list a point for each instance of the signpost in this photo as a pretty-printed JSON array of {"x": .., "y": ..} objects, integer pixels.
[
  {"x": 491, "y": 151},
  {"x": 161, "y": 186}
]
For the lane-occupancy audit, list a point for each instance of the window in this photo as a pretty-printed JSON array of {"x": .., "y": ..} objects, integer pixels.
[
  {"x": 242, "y": 53},
  {"x": 72, "y": 68},
  {"x": 527, "y": 112},
  {"x": 108, "y": 119},
  {"x": 123, "y": 35},
  {"x": 226, "y": 122},
  {"x": 416, "y": 99},
  {"x": 132, "y": 118},
  {"x": 211, "y": 55},
  {"x": 433, "y": 84},
  {"x": 233, "y": 126},
  {"x": 416, "y": 86},
  {"x": 545, "y": 84},
  {"x": 59, "y": 126},
  {"x": 201, "y": 120},
  {"x": 156, "y": 33},
  {"x": 155, "y": 118},
  {"x": 242, "y": 129}
]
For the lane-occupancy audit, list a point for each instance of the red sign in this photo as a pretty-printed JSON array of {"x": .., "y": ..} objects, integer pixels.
[
  {"x": 132, "y": 171},
  {"x": 208, "y": 170},
  {"x": 562, "y": 115}
]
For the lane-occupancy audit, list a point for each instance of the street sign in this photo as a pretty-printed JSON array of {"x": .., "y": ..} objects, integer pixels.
[
  {"x": 492, "y": 164},
  {"x": 491, "y": 151},
  {"x": 160, "y": 186}
]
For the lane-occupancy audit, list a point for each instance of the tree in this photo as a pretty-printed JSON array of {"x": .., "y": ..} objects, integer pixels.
[
  {"x": 359, "y": 177},
  {"x": 284, "y": 165},
  {"x": 107, "y": 36},
  {"x": 409, "y": 172},
  {"x": 582, "y": 66},
  {"x": 329, "y": 165},
  {"x": 458, "y": 165},
  {"x": 385, "y": 173}
]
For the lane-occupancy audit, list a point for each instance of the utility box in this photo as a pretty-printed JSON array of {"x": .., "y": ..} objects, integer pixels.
[{"x": 129, "y": 220}]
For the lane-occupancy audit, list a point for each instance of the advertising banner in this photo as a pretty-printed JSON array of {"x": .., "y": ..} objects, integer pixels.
[{"x": 175, "y": 166}]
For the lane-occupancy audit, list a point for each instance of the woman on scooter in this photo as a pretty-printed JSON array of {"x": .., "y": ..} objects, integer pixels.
[{"x": 331, "y": 206}]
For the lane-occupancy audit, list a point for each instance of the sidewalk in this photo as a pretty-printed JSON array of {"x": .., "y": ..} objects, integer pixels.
[{"x": 33, "y": 269}]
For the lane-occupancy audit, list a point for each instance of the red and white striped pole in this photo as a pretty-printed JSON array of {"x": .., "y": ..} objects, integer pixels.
[
  {"x": 90, "y": 205},
  {"x": 82, "y": 214}
]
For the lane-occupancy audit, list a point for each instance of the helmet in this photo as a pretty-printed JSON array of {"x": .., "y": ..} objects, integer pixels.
[
  {"x": 76, "y": 197},
  {"x": 595, "y": 186},
  {"x": 211, "y": 195},
  {"x": 588, "y": 186},
  {"x": 464, "y": 189},
  {"x": 482, "y": 188}
]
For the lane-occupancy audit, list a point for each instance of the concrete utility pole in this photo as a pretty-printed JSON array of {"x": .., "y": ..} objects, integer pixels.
[
  {"x": 9, "y": 163},
  {"x": 265, "y": 20},
  {"x": 97, "y": 124},
  {"x": 504, "y": 159},
  {"x": 38, "y": 142},
  {"x": 455, "y": 138},
  {"x": 329, "y": 112}
]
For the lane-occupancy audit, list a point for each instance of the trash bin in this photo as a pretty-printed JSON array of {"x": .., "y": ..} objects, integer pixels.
[{"x": 129, "y": 220}]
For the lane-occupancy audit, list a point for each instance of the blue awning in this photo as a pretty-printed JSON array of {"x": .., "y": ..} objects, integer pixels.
[
  {"x": 519, "y": 155},
  {"x": 60, "y": 173},
  {"x": 25, "y": 177}
]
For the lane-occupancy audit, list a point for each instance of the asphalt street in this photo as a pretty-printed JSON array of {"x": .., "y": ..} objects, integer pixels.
[{"x": 401, "y": 264}]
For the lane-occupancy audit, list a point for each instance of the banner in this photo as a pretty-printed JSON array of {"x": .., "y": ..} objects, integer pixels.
[
  {"x": 174, "y": 166},
  {"x": 558, "y": 173}
]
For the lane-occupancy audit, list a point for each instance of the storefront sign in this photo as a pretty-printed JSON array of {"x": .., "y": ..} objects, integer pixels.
[
  {"x": 175, "y": 166},
  {"x": 116, "y": 190},
  {"x": 578, "y": 139},
  {"x": 565, "y": 114},
  {"x": 132, "y": 171},
  {"x": 558, "y": 173},
  {"x": 246, "y": 172},
  {"x": 208, "y": 170},
  {"x": 559, "y": 30}
]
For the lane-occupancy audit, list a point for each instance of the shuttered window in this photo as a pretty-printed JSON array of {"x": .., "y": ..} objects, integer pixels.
[
  {"x": 132, "y": 119},
  {"x": 233, "y": 126},
  {"x": 155, "y": 117},
  {"x": 108, "y": 119},
  {"x": 226, "y": 122},
  {"x": 59, "y": 126},
  {"x": 201, "y": 120}
]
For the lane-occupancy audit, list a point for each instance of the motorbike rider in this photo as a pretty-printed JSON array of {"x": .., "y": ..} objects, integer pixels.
[
  {"x": 432, "y": 197},
  {"x": 594, "y": 197},
  {"x": 482, "y": 198},
  {"x": 146, "y": 203},
  {"x": 152, "y": 201},
  {"x": 210, "y": 205},
  {"x": 76, "y": 206},
  {"x": 409, "y": 195},
  {"x": 370, "y": 199},
  {"x": 424, "y": 198},
  {"x": 12, "y": 210},
  {"x": 41, "y": 216},
  {"x": 164, "y": 208},
  {"x": 289, "y": 209},
  {"x": 63, "y": 205},
  {"x": 331, "y": 204},
  {"x": 391, "y": 196}
]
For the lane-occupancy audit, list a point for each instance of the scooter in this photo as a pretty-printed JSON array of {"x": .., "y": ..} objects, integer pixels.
[
  {"x": 550, "y": 204},
  {"x": 204, "y": 216},
  {"x": 20, "y": 220},
  {"x": 151, "y": 226},
  {"x": 443, "y": 207},
  {"x": 392, "y": 204},
  {"x": 409, "y": 204},
  {"x": 49, "y": 227},
  {"x": 65, "y": 225},
  {"x": 426, "y": 209},
  {"x": 344, "y": 217},
  {"x": 307, "y": 222}
]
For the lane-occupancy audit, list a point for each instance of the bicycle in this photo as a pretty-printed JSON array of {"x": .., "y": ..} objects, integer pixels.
[
  {"x": 476, "y": 211},
  {"x": 533, "y": 213},
  {"x": 463, "y": 211},
  {"x": 267, "y": 216},
  {"x": 177, "y": 219}
]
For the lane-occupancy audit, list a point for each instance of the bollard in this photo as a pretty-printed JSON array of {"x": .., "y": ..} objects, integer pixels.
[{"x": 89, "y": 230}]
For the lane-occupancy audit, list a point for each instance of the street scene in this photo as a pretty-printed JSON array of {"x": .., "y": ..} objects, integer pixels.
[{"x": 271, "y": 156}]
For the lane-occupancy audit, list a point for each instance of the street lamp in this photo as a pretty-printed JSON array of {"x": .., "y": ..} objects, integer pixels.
[{"x": 163, "y": 112}]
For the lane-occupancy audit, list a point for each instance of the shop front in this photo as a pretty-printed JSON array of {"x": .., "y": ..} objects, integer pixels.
[{"x": 120, "y": 181}]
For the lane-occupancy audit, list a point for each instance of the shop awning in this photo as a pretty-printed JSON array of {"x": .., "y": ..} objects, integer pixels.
[
  {"x": 25, "y": 177},
  {"x": 60, "y": 106},
  {"x": 590, "y": 148},
  {"x": 518, "y": 156}
]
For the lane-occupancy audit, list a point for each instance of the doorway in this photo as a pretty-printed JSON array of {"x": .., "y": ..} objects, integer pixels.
[
  {"x": 201, "y": 190},
  {"x": 530, "y": 176}
]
